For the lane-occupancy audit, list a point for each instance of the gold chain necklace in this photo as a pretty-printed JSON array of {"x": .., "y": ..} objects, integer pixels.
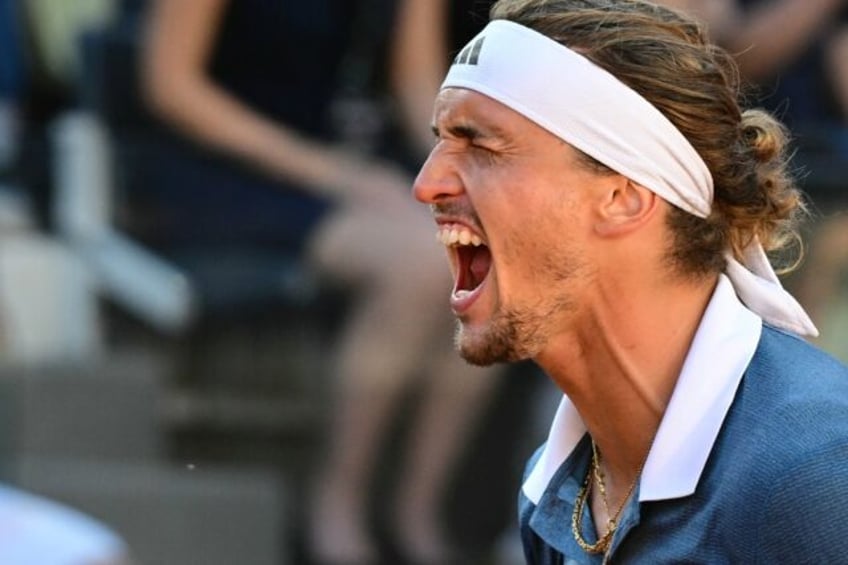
[{"x": 602, "y": 545}]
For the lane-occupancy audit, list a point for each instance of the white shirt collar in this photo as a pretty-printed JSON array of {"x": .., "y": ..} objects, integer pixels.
[{"x": 720, "y": 352}]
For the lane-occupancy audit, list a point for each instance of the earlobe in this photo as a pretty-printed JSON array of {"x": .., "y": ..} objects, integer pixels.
[{"x": 626, "y": 207}]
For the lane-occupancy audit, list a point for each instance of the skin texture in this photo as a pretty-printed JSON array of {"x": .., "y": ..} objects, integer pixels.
[{"x": 579, "y": 281}]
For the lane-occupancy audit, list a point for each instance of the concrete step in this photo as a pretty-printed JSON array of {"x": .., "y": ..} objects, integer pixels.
[{"x": 107, "y": 408}]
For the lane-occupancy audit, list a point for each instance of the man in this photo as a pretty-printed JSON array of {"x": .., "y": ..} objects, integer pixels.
[{"x": 607, "y": 208}]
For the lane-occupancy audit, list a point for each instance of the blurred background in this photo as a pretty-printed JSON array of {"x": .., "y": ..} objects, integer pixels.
[{"x": 220, "y": 339}]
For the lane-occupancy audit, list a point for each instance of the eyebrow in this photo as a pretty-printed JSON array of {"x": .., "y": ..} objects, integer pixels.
[{"x": 470, "y": 132}]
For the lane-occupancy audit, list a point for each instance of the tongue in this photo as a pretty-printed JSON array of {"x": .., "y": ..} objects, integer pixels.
[{"x": 481, "y": 260}]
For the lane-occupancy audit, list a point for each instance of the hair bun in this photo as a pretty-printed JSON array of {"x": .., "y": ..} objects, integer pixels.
[{"x": 766, "y": 137}]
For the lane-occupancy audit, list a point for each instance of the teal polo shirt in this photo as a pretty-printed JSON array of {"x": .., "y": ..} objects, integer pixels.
[{"x": 746, "y": 468}]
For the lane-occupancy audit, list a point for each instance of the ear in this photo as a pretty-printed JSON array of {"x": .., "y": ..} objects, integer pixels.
[{"x": 625, "y": 207}]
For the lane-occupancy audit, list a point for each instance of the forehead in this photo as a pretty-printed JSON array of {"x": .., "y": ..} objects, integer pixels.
[{"x": 460, "y": 106}]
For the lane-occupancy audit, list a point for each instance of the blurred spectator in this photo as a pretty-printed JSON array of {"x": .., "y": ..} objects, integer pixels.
[
  {"x": 796, "y": 53},
  {"x": 258, "y": 83},
  {"x": 37, "y": 531},
  {"x": 54, "y": 32},
  {"x": 792, "y": 67}
]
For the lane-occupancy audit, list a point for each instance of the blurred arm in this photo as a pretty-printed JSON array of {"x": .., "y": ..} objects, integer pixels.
[
  {"x": 720, "y": 16},
  {"x": 418, "y": 64},
  {"x": 837, "y": 59},
  {"x": 775, "y": 32},
  {"x": 766, "y": 38},
  {"x": 182, "y": 34}
]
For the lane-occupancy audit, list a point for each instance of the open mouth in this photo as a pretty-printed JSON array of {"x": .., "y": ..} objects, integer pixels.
[{"x": 470, "y": 256}]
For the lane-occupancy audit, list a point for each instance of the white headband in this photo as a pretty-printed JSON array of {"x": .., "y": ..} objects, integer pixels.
[{"x": 592, "y": 110}]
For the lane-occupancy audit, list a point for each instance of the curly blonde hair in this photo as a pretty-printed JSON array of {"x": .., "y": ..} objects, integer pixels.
[{"x": 667, "y": 57}]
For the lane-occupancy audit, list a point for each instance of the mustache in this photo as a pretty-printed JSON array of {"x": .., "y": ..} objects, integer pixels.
[{"x": 455, "y": 209}]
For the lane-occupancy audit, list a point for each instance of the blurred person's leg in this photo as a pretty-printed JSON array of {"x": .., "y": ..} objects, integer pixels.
[
  {"x": 453, "y": 396},
  {"x": 378, "y": 354}
]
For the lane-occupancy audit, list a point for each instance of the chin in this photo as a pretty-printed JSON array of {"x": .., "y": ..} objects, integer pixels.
[{"x": 487, "y": 347}]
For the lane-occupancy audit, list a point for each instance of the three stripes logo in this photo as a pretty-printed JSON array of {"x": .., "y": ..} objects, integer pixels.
[{"x": 471, "y": 54}]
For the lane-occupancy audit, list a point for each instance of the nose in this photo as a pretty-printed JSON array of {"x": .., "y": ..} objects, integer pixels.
[{"x": 437, "y": 180}]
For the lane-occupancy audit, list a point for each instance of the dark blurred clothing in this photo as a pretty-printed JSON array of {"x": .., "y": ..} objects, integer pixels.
[
  {"x": 12, "y": 72},
  {"x": 467, "y": 18},
  {"x": 803, "y": 96},
  {"x": 802, "y": 93},
  {"x": 286, "y": 60},
  {"x": 282, "y": 57}
]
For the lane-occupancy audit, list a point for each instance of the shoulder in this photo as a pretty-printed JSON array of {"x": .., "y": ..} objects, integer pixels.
[
  {"x": 809, "y": 501},
  {"x": 795, "y": 387},
  {"x": 782, "y": 353},
  {"x": 785, "y": 444},
  {"x": 793, "y": 399},
  {"x": 775, "y": 342}
]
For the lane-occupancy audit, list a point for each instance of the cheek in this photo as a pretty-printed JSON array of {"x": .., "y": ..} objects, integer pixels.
[
  {"x": 526, "y": 218},
  {"x": 544, "y": 238},
  {"x": 523, "y": 244}
]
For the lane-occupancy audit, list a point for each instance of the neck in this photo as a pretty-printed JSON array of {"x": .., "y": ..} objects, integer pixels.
[{"x": 620, "y": 366}]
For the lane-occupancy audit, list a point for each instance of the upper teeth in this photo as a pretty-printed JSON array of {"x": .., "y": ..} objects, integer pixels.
[{"x": 458, "y": 236}]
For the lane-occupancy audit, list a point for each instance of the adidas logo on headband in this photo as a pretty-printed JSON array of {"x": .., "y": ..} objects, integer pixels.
[{"x": 471, "y": 54}]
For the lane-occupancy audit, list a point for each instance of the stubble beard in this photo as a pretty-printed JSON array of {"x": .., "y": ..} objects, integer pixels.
[
  {"x": 509, "y": 337},
  {"x": 522, "y": 332}
]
